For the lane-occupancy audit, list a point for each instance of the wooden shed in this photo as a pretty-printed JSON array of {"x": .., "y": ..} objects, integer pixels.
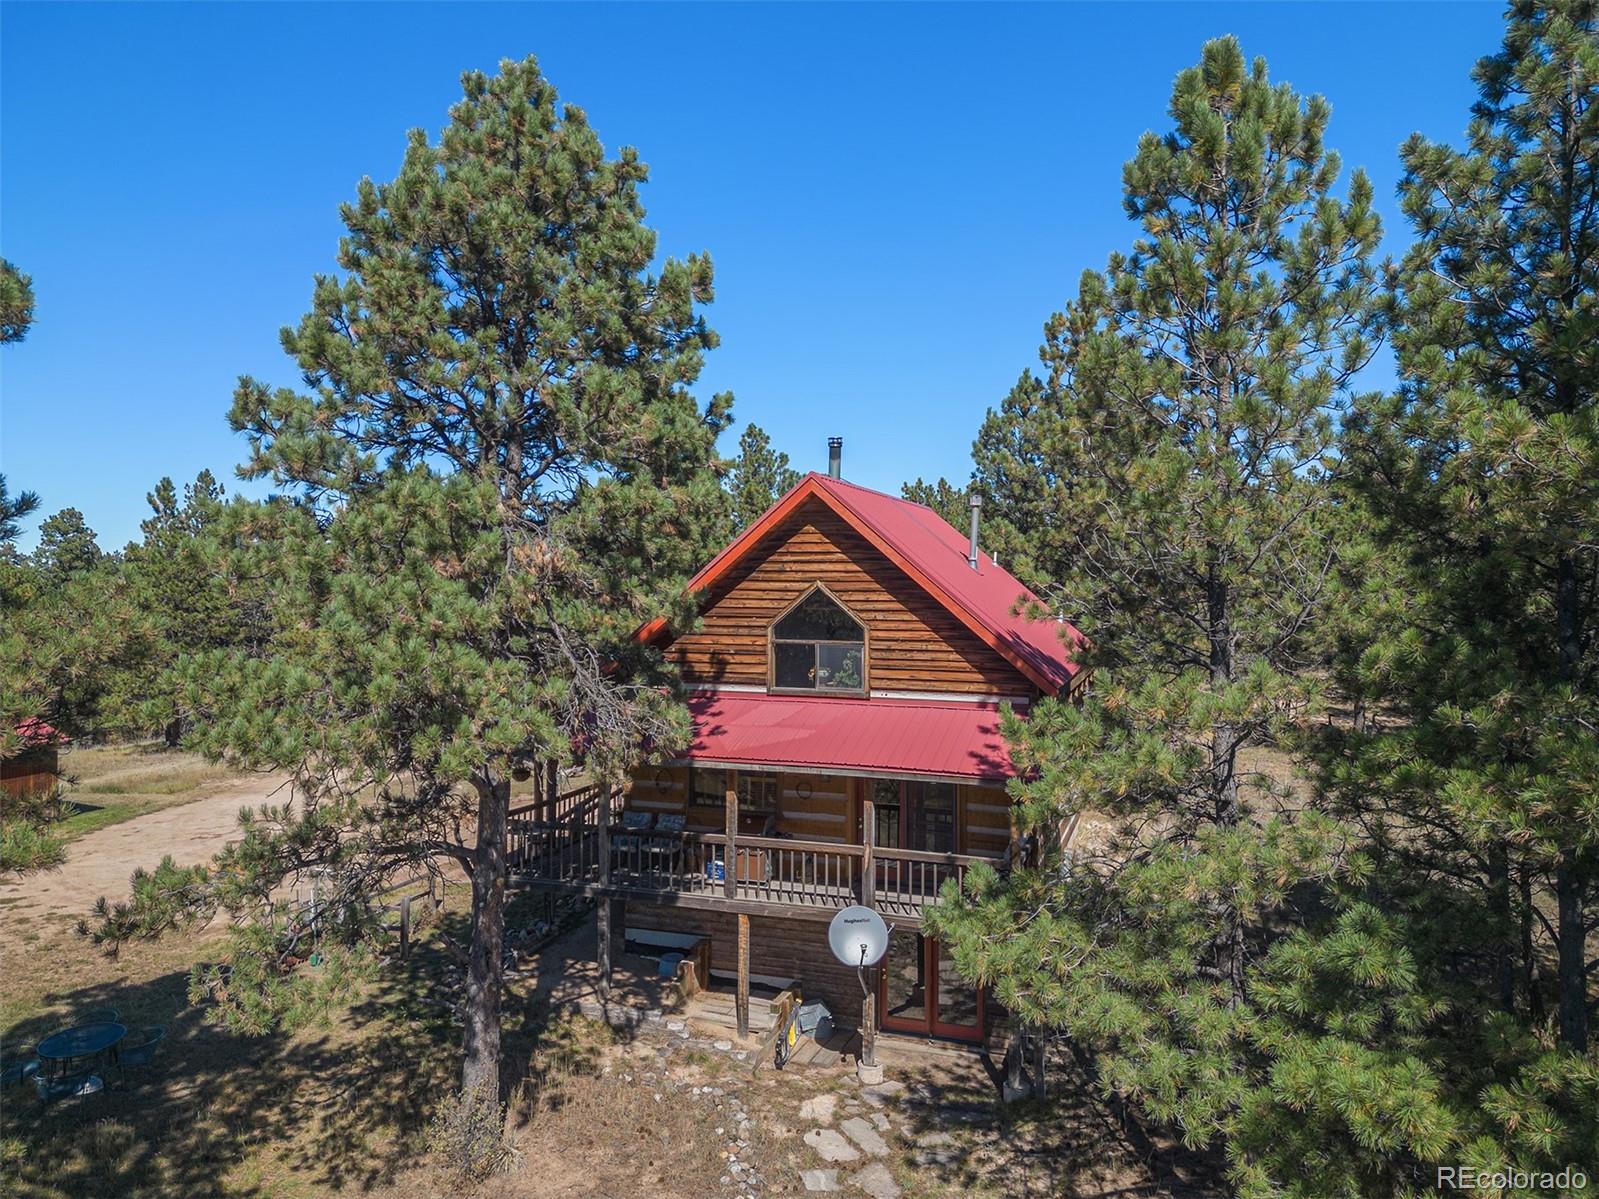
[{"x": 37, "y": 769}]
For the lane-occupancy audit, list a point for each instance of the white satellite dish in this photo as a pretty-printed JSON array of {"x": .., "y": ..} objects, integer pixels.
[{"x": 858, "y": 937}]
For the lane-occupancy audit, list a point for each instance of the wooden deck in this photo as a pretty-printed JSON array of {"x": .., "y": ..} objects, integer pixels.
[{"x": 574, "y": 845}]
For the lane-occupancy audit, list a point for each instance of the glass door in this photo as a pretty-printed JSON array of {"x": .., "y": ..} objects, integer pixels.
[
  {"x": 929, "y": 817},
  {"x": 914, "y": 815},
  {"x": 957, "y": 1004},
  {"x": 904, "y": 983},
  {"x": 922, "y": 992}
]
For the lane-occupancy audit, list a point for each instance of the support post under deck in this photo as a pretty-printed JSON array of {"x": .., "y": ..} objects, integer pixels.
[{"x": 741, "y": 1000}]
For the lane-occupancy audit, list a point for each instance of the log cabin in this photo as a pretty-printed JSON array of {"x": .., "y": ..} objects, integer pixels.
[{"x": 845, "y": 680}]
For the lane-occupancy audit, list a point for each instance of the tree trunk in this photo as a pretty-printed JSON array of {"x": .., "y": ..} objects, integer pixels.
[
  {"x": 1573, "y": 974},
  {"x": 1223, "y": 768},
  {"x": 1529, "y": 961},
  {"x": 480, "y": 1070},
  {"x": 1505, "y": 953},
  {"x": 1571, "y": 874}
]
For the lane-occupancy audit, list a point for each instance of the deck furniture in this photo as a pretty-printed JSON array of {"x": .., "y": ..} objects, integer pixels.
[
  {"x": 15, "y": 1073},
  {"x": 139, "y": 1047},
  {"x": 67, "y": 1058},
  {"x": 78, "y": 1081}
]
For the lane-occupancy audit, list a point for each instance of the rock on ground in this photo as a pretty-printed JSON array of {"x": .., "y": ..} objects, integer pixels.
[
  {"x": 881, "y": 1093},
  {"x": 877, "y": 1182},
  {"x": 819, "y": 1108},
  {"x": 831, "y": 1145},
  {"x": 864, "y": 1135},
  {"x": 820, "y": 1180}
]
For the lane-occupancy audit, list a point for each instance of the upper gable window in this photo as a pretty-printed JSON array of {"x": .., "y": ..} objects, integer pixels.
[{"x": 818, "y": 646}]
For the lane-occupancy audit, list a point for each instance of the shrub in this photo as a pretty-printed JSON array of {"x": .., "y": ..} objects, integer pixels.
[{"x": 468, "y": 1135}]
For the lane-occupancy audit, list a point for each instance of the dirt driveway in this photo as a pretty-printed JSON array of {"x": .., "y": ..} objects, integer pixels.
[{"x": 101, "y": 862}]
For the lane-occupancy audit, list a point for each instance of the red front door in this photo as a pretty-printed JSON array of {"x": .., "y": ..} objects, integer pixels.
[{"x": 921, "y": 992}]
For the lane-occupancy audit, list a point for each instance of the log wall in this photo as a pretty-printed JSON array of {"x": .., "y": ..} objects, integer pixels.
[
  {"x": 781, "y": 948},
  {"x": 914, "y": 644},
  {"x": 818, "y": 807}
]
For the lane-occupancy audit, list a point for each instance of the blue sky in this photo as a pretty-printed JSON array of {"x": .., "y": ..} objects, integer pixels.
[{"x": 895, "y": 197}]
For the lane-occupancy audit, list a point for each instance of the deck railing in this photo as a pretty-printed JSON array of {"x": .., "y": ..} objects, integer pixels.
[{"x": 579, "y": 848}]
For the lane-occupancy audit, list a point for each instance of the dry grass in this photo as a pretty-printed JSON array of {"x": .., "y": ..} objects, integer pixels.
[
  {"x": 106, "y": 785},
  {"x": 1071, "y": 1144},
  {"x": 595, "y": 1117},
  {"x": 218, "y": 1113},
  {"x": 345, "y": 1108}
]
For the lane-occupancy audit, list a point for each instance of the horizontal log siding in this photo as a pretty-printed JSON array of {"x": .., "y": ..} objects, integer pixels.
[
  {"x": 829, "y": 812},
  {"x": 985, "y": 818},
  {"x": 782, "y": 948},
  {"x": 812, "y": 808},
  {"x": 915, "y": 644}
]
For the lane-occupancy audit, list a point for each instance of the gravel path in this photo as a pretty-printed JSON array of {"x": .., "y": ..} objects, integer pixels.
[{"x": 101, "y": 862}]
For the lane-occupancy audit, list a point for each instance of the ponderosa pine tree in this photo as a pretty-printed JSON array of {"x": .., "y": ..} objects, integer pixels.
[
  {"x": 1166, "y": 474},
  {"x": 67, "y": 546},
  {"x": 12, "y": 511},
  {"x": 758, "y": 477},
  {"x": 189, "y": 606},
  {"x": 1480, "y": 479},
  {"x": 501, "y": 473},
  {"x": 16, "y": 304},
  {"x": 67, "y": 621}
]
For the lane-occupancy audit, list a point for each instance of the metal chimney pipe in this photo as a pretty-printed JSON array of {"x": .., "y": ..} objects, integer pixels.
[
  {"x": 977, "y": 507},
  {"x": 835, "y": 457}
]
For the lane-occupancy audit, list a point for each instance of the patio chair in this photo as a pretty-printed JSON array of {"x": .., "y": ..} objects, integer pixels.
[
  {"x": 666, "y": 846},
  {"x": 62, "y": 1086},
  {"x": 139, "y": 1046},
  {"x": 16, "y": 1073},
  {"x": 635, "y": 824}
]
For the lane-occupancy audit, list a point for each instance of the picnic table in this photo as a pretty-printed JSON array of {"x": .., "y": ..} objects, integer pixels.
[{"x": 80, "y": 1044}]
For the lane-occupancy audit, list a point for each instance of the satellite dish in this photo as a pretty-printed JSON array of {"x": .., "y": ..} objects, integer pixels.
[{"x": 858, "y": 937}]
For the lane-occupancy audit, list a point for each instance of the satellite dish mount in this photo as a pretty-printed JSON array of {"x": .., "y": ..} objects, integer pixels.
[{"x": 859, "y": 938}]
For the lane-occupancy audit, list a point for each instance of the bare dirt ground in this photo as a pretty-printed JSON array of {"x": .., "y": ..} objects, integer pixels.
[{"x": 101, "y": 862}]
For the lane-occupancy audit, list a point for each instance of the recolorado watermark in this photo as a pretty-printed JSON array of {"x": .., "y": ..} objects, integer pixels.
[{"x": 1471, "y": 1178}]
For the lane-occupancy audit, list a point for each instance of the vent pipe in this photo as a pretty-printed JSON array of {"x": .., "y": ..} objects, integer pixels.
[
  {"x": 835, "y": 457},
  {"x": 977, "y": 507}
]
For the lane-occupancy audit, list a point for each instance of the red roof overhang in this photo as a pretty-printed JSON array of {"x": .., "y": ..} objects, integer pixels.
[{"x": 834, "y": 735}]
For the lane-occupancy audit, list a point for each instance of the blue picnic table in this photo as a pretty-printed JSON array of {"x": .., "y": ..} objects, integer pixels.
[{"x": 59, "y": 1051}]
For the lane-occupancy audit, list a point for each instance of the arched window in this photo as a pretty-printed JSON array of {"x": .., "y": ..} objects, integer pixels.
[{"x": 818, "y": 646}]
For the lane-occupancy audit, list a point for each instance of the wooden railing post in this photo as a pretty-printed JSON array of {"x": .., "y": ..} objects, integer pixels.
[
  {"x": 605, "y": 834},
  {"x": 730, "y": 867},
  {"x": 868, "y": 844}
]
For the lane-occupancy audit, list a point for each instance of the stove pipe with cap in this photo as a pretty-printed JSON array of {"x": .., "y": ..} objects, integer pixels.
[
  {"x": 976, "y": 502},
  {"x": 835, "y": 457}
]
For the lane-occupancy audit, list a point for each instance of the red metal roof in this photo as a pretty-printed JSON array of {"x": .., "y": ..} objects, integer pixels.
[
  {"x": 988, "y": 593},
  {"x": 886, "y": 736},
  {"x": 933, "y": 553},
  {"x": 34, "y": 732}
]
